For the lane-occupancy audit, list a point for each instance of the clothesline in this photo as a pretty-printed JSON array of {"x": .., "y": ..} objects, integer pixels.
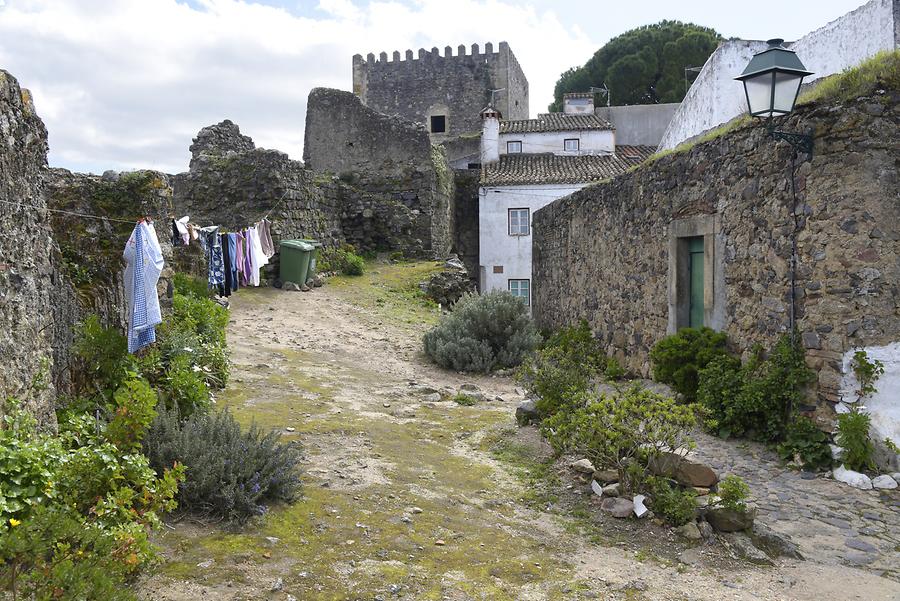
[{"x": 64, "y": 212}]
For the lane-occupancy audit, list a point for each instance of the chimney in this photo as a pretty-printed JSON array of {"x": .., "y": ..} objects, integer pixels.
[
  {"x": 490, "y": 135},
  {"x": 578, "y": 103}
]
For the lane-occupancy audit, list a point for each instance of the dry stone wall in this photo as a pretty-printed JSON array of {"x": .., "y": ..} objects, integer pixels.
[
  {"x": 27, "y": 283},
  {"x": 603, "y": 253}
]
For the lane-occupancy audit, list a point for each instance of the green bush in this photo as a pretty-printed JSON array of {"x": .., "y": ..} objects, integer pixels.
[
  {"x": 189, "y": 285},
  {"x": 614, "y": 370},
  {"x": 756, "y": 399},
  {"x": 678, "y": 359},
  {"x": 563, "y": 368},
  {"x": 807, "y": 443},
  {"x": 853, "y": 437},
  {"x": 624, "y": 431},
  {"x": 102, "y": 354},
  {"x": 674, "y": 505},
  {"x": 232, "y": 473},
  {"x": 462, "y": 398},
  {"x": 75, "y": 508},
  {"x": 733, "y": 493},
  {"x": 342, "y": 260},
  {"x": 183, "y": 388},
  {"x": 483, "y": 333}
]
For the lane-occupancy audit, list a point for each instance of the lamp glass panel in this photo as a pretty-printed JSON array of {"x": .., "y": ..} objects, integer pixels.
[
  {"x": 759, "y": 94},
  {"x": 786, "y": 85}
]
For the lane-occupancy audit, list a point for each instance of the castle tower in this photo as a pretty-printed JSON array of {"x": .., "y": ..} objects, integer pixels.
[{"x": 445, "y": 92}]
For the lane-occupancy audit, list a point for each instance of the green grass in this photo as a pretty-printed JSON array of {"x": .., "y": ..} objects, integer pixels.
[
  {"x": 462, "y": 398},
  {"x": 881, "y": 71}
]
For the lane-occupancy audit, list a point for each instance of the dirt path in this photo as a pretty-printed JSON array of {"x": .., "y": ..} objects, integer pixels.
[{"x": 411, "y": 498}]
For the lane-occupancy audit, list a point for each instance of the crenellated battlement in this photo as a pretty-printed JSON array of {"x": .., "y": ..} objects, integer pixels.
[
  {"x": 443, "y": 90},
  {"x": 409, "y": 57}
]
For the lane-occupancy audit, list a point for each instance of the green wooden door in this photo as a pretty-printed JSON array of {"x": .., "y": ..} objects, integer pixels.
[{"x": 695, "y": 266}]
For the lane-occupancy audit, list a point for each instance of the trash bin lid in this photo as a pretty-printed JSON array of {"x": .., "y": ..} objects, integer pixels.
[
  {"x": 315, "y": 243},
  {"x": 297, "y": 245}
]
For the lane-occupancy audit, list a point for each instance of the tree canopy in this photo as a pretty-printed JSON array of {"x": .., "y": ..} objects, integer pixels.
[{"x": 642, "y": 66}]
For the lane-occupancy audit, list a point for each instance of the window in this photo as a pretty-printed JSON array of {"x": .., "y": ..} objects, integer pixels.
[
  {"x": 438, "y": 124},
  {"x": 519, "y": 222},
  {"x": 571, "y": 144},
  {"x": 522, "y": 289},
  {"x": 514, "y": 147}
]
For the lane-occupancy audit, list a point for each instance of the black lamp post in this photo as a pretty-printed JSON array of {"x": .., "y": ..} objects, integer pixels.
[{"x": 772, "y": 81}]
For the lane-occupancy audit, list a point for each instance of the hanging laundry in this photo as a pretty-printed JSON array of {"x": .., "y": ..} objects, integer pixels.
[
  {"x": 194, "y": 231},
  {"x": 239, "y": 257},
  {"x": 226, "y": 266},
  {"x": 257, "y": 257},
  {"x": 232, "y": 260},
  {"x": 181, "y": 225},
  {"x": 265, "y": 238},
  {"x": 248, "y": 267},
  {"x": 143, "y": 264},
  {"x": 214, "y": 260}
]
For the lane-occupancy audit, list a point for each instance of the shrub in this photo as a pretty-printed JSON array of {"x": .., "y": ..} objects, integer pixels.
[
  {"x": 462, "y": 398},
  {"x": 733, "y": 492},
  {"x": 102, "y": 354},
  {"x": 342, "y": 260},
  {"x": 807, "y": 444},
  {"x": 563, "y": 369},
  {"x": 623, "y": 431},
  {"x": 614, "y": 370},
  {"x": 75, "y": 509},
  {"x": 866, "y": 372},
  {"x": 183, "y": 388},
  {"x": 233, "y": 473},
  {"x": 189, "y": 285},
  {"x": 674, "y": 505},
  {"x": 757, "y": 399},
  {"x": 483, "y": 333},
  {"x": 853, "y": 437},
  {"x": 678, "y": 359}
]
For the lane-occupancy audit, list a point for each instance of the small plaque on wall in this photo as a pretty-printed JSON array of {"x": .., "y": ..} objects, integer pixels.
[{"x": 498, "y": 268}]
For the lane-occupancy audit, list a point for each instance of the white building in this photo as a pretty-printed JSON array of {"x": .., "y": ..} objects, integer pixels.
[{"x": 527, "y": 164}]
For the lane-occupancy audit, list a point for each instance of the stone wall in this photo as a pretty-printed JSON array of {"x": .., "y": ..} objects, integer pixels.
[
  {"x": 608, "y": 253},
  {"x": 88, "y": 259},
  {"x": 455, "y": 86},
  {"x": 27, "y": 283},
  {"x": 715, "y": 98},
  {"x": 465, "y": 218},
  {"x": 395, "y": 187}
]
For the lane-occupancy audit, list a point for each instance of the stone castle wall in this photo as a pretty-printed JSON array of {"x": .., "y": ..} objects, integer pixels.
[
  {"x": 27, "y": 282},
  {"x": 456, "y": 86},
  {"x": 605, "y": 254}
]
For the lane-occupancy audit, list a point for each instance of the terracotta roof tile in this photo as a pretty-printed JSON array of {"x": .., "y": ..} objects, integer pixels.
[
  {"x": 554, "y": 122},
  {"x": 518, "y": 169}
]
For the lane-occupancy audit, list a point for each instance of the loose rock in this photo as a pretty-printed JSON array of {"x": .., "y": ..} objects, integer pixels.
[
  {"x": 730, "y": 520},
  {"x": 290, "y": 287},
  {"x": 612, "y": 490},
  {"x": 606, "y": 476},
  {"x": 434, "y": 397},
  {"x": 526, "y": 413},
  {"x": 884, "y": 481},
  {"x": 583, "y": 466},
  {"x": 689, "y": 531},
  {"x": 743, "y": 547},
  {"x": 854, "y": 479},
  {"x": 617, "y": 507}
]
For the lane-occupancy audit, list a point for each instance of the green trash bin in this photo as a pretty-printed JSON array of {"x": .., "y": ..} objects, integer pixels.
[
  {"x": 312, "y": 257},
  {"x": 295, "y": 256}
]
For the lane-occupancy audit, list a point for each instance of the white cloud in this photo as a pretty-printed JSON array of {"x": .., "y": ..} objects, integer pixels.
[{"x": 127, "y": 83}]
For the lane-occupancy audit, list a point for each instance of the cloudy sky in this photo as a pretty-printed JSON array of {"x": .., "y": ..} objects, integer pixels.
[{"x": 124, "y": 84}]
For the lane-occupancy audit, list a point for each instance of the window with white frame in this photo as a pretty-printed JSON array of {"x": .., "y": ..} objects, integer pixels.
[
  {"x": 522, "y": 289},
  {"x": 571, "y": 144},
  {"x": 519, "y": 222},
  {"x": 514, "y": 147}
]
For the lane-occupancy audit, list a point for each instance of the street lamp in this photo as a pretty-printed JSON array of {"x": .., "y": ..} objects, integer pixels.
[{"x": 772, "y": 81}]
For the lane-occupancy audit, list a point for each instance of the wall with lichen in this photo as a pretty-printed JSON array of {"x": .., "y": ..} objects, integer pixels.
[
  {"x": 605, "y": 253},
  {"x": 27, "y": 279}
]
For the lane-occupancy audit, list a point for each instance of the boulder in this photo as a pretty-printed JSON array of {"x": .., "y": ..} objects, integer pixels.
[
  {"x": 434, "y": 397},
  {"x": 469, "y": 387},
  {"x": 689, "y": 531},
  {"x": 687, "y": 473},
  {"x": 854, "y": 479},
  {"x": 617, "y": 507},
  {"x": 447, "y": 287},
  {"x": 583, "y": 466},
  {"x": 611, "y": 490},
  {"x": 730, "y": 520},
  {"x": 706, "y": 530},
  {"x": 772, "y": 543},
  {"x": 884, "y": 482},
  {"x": 743, "y": 547},
  {"x": 606, "y": 476},
  {"x": 526, "y": 413}
]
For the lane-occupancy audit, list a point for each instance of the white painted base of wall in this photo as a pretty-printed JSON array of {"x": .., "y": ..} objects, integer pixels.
[{"x": 884, "y": 405}]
